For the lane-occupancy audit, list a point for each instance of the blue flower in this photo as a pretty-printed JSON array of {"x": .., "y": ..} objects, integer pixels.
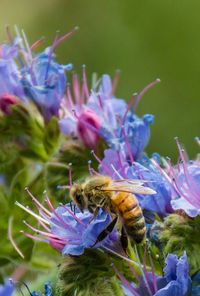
[
  {"x": 184, "y": 180},
  {"x": 114, "y": 122},
  {"x": 82, "y": 233},
  {"x": 45, "y": 83},
  {"x": 10, "y": 76},
  {"x": 33, "y": 77},
  {"x": 7, "y": 289},
  {"x": 176, "y": 280},
  {"x": 132, "y": 136},
  {"x": 71, "y": 232}
]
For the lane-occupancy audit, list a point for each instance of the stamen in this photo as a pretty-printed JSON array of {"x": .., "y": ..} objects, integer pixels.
[
  {"x": 120, "y": 163},
  {"x": 27, "y": 45},
  {"x": 106, "y": 168},
  {"x": 37, "y": 43},
  {"x": 10, "y": 39},
  {"x": 116, "y": 172},
  {"x": 125, "y": 282},
  {"x": 55, "y": 213},
  {"x": 11, "y": 238},
  {"x": 38, "y": 231},
  {"x": 161, "y": 170},
  {"x": 65, "y": 37},
  {"x": 134, "y": 273},
  {"x": 76, "y": 89},
  {"x": 119, "y": 255},
  {"x": 26, "y": 209},
  {"x": 73, "y": 215},
  {"x": 37, "y": 202},
  {"x": 145, "y": 89},
  {"x": 85, "y": 90},
  {"x": 130, "y": 104},
  {"x": 188, "y": 178},
  {"x": 100, "y": 101},
  {"x": 127, "y": 145},
  {"x": 142, "y": 271},
  {"x": 39, "y": 239},
  {"x": 91, "y": 170},
  {"x": 115, "y": 81},
  {"x": 69, "y": 98}
]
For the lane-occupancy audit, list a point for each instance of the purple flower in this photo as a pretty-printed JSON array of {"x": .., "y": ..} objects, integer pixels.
[
  {"x": 44, "y": 82},
  {"x": 176, "y": 276},
  {"x": 68, "y": 232},
  {"x": 184, "y": 179},
  {"x": 7, "y": 289},
  {"x": 117, "y": 167},
  {"x": 10, "y": 75},
  {"x": 78, "y": 119},
  {"x": 176, "y": 280},
  {"x": 112, "y": 119},
  {"x": 33, "y": 77}
]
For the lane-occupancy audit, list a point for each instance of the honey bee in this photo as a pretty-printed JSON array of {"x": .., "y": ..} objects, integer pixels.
[{"x": 116, "y": 198}]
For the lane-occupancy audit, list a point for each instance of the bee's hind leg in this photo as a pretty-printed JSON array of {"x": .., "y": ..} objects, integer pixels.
[
  {"x": 124, "y": 239},
  {"x": 106, "y": 231}
]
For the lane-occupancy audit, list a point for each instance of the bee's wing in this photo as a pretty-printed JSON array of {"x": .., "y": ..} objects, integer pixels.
[
  {"x": 137, "y": 189},
  {"x": 131, "y": 181}
]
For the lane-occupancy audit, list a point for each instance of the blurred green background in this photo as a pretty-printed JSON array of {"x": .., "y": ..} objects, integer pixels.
[{"x": 144, "y": 39}]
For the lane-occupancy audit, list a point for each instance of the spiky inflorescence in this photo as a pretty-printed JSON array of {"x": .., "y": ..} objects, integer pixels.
[
  {"x": 87, "y": 275},
  {"x": 180, "y": 234}
]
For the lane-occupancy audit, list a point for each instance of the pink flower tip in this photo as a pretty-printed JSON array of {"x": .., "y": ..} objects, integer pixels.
[
  {"x": 88, "y": 127},
  {"x": 6, "y": 100}
]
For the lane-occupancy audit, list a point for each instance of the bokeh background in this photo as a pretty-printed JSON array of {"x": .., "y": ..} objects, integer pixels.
[{"x": 144, "y": 39}]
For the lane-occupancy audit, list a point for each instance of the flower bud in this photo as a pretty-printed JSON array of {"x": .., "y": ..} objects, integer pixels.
[
  {"x": 87, "y": 127},
  {"x": 6, "y": 100}
]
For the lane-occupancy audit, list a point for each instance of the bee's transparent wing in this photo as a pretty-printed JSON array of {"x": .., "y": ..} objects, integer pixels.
[{"x": 136, "y": 187}]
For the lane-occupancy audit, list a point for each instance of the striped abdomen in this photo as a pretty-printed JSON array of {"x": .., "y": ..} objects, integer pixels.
[{"x": 131, "y": 213}]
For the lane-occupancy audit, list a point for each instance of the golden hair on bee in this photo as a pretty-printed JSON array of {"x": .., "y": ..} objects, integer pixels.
[{"x": 116, "y": 197}]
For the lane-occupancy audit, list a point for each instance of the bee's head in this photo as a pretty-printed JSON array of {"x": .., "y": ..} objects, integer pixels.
[{"x": 76, "y": 193}]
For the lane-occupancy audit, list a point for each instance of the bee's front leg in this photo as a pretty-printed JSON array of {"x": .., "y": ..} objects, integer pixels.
[{"x": 106, "y": 231}]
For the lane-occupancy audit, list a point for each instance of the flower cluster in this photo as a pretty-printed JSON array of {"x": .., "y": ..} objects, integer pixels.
[
  {"x": 93, "y": 223},
  {"x": 26, "y": 76}
]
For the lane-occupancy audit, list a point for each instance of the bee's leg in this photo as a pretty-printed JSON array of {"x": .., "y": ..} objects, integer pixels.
[
  {"x": 95, "y": 212},
  {"x": 124, "y": 239},
  {"x": 106, "y": 231},
  {"x": 74, "y": 209}
]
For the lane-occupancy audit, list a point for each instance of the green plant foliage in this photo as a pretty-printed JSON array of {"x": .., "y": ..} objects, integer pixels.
[
  {"x": 90, "y": 274},
  {"x": 180, "y": 234}
]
